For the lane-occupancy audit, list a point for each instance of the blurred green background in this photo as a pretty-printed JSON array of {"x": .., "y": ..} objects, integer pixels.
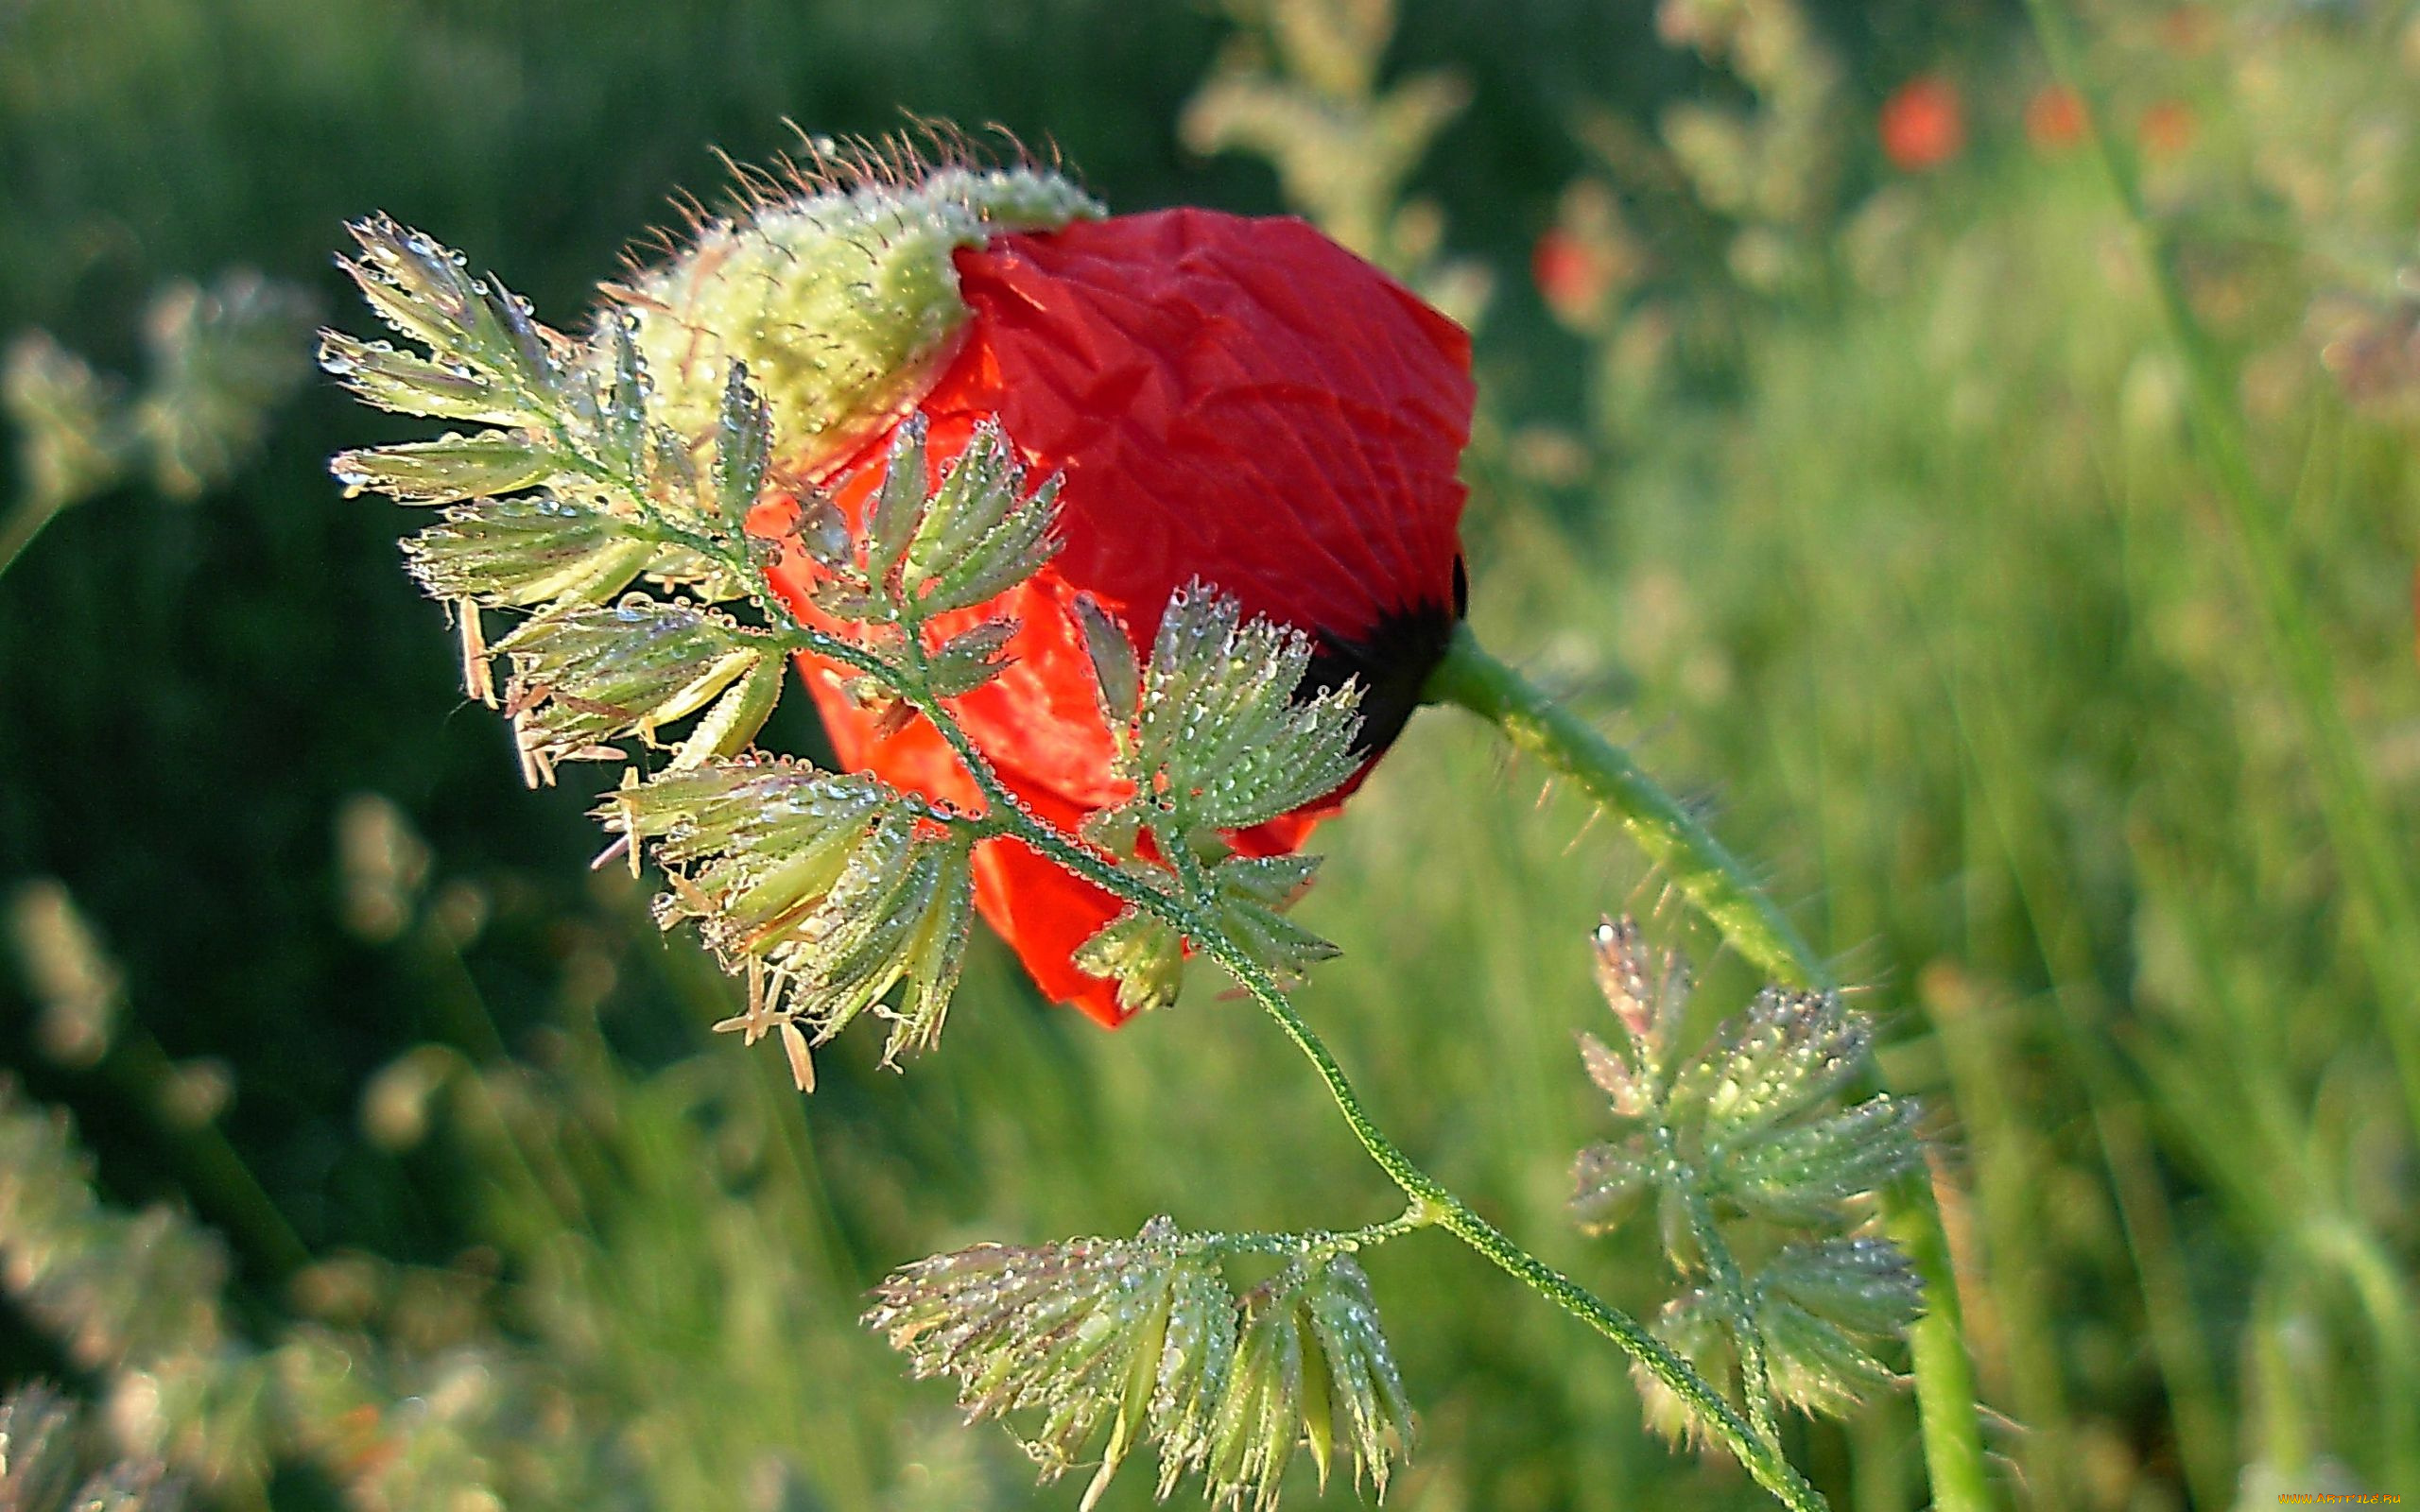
[{"x": 1833, "y": 450}]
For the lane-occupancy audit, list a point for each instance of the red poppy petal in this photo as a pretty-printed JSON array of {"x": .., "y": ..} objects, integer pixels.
[
  {"x": 1238, "y": 401},
  {"x": 1043, "y": 912},
  {"x": 1241, "y": 401}
]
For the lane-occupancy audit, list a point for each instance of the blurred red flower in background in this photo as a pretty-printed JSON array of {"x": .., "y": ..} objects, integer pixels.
[
  {"x": 1923, "y": 124},
  {"x": 1571, "y": 280},
  {"x": 1235, "y": 400},
  {"x": 2166, "y": 129},
  {"x": 2054, "y": 118},
  {"x": 2188, "y": 30},
  {"x": 1588, "y": 259}
]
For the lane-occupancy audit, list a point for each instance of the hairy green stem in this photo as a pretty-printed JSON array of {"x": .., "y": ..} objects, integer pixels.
[
  {"x": 1432, "y": 1203},
  {"x": 1436, "y": 1203},
  {"x": 1723, "y": 1274},
  {"x": 1947, "y": 1411},
  {"x": 1321, "y": 1243},
  {"x": 1710, "y": 876},
  {"x": 1761, "y": 1457},
  {"x": 1720, "y": 886}
]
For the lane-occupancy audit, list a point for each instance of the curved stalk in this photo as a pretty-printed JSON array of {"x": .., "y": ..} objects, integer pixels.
[
  {"x": 1716, "y": 882},
  {"x": 1762, "y": 1457},
  {"x": 1723, "y": 1274},
  {"x": 1350, "y": 1240},
  {"x": 1709, "y": 875},
  {"x": 1433, "y": 1202}
]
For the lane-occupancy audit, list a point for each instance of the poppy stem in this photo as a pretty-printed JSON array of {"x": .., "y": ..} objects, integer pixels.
[
  {"x": 1696, "y": 862},
  {"x": 1716, "y": 880},
  {"x": 1756, "y": 1447},
  {"x": 1432, "y": 1204}
]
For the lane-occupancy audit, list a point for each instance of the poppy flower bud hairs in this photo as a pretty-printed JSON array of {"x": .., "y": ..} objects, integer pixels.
[
  {"x": 1235, "y": 401},
  {"x": 828, "y": 403}
]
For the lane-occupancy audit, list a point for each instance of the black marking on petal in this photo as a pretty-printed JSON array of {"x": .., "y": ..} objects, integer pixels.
[{"x": 1393, "y": 659}]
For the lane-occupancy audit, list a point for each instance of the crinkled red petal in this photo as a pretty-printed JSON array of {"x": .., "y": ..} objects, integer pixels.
[{"x": 1238, "y": 400}]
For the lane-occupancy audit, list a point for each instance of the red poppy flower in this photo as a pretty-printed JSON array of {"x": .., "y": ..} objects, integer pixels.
[
  {"x": 2054, "y": 118},
  {"x": 2188, "y": 30},
  {"x": 1566, "y": 275},
  {"x": 2167, "y": 129},
  {"x": 1235, "y": 400},
  {"x": 1923, "y": 124}
]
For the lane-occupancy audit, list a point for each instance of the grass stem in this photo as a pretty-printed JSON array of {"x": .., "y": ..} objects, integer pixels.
[
  {"x": 221, "y": 1179},
  {"x": 24, "y": 522},
  {"x": 2378, "y": 883}
]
